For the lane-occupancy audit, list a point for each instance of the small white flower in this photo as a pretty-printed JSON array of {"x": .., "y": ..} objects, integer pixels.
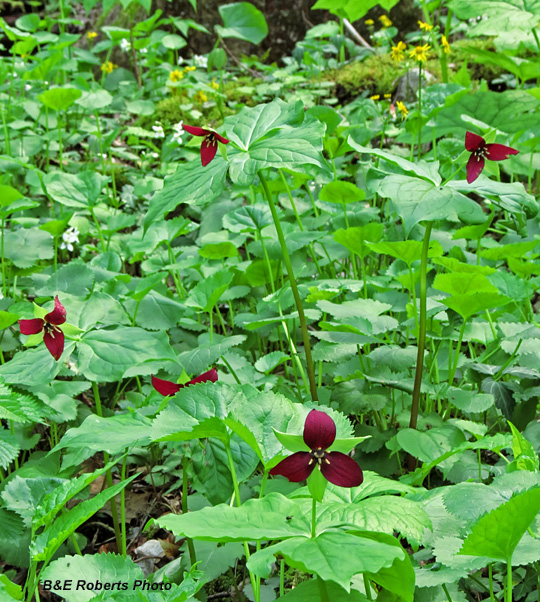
[
  {"x": 200, "y": 61},
  {"x": 27, "y": 87},
  {"x": 180, "y": 60},
  {"x": 126, "y": 196},
  {"x": 178, "y": 132},
  {"x": 70, "y": 236},
  {"x": 155, "y": 155},
  {"x": 158, "y": 131},
  {"x": 143, "y": 50},
  {"x": 125, "y": 45}
]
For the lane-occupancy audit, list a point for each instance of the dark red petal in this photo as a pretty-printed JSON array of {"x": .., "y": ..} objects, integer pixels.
[
  {"x": 58, "y": 314},
  {"x": 498, "y": 152},
  {"x": 473, "y": 141},
  {"x": 31, "y": 326},
  {"x": 195, "y": 131},
  {"x": 208, "y": 151},
  {"x": 296, "y": 467},
  {"x": 54, "y": 341},
  {"x": 165, "y": 387},
  {"x": 211, "y": 375},
  {"x": 222, "y": 139},
  {"x": 475, "y": 165},
  {"x": 342, "y": 470},
  {"x": 319, "y": 430}
]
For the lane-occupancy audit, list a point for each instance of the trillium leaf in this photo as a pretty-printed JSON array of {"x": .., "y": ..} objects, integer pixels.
[
  {"x": 59, "y": 99},
  {"x": 355, "y": 238},
  {"x": 497, "y": 534},
  {"x": 341, "y": 192},
  {"x": 308, "y": 591},
  {"x": 468, "y": 305},
  {"x": 416, "y": 200},
  {"x": 243, "y": 21},
  {"x": 75, "y": 190}
]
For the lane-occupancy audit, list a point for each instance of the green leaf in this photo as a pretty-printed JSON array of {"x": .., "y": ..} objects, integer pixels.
[
  {"x": 96, "y": 568},
  {"x": 268, "y": 363},
  {"x": 417, "y": 200},
  {"x": 461, "y": 283},
  {"x": 53, "y": 536},
  {"x": 218, "y": 250},
  {"x": 497, "y": 534},
  {"x": 106, "y": 355},
  {"x": 94, "y": 100},
  {"x": 27, "y": 246},
  {"x": 7, "y": 319},
  {"x": 470, "y": 401},
  {"x": 355, "y": 238},
  {"x": 112, "y": 434},
  {"x": 74, "y": 278},
  {"x": 308, "y": 591},
  {"x": 9, "y": 195},
  {"x": 59, "y": 99},
  {"x": 191, "y": 183},
  {"x": 173, "y": 41},
  {"x": 408, "y": 251},
  {"x": 257, "y": 519},
  {"x": 80, "y": 190},
  {"x": 141, "y": 107},
  {"x": 10, "y": 589},
  {"x": 205, "y": 294},
  {"x": 341, "y": 192},
  {"x": 468, "y": 305},
  {"x": 333, "y": 556},
  {"x": 249, "y": 217},
  {"x": 525, "y": 458},
  {"x": 428, "y": 446},
  {"x": 30, "y": 367},
  {"x": 352, "y": 9},
  {"x": 243, "y": 21}
]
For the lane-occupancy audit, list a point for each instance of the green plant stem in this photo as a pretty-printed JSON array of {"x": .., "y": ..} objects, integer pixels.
[
  {"x": 108, "y": 474},
  {"x": 367, "y": 587},
  {"x": 456, "y": 356},
  {"x": 231, "y": 370},
  {"x": 422, "y": 328},
  {"x": 281, "y": 578},
  {"x": 98, "y": 227},
  {"x": 190, "y": 545},
  {"x": 4, "y": 289},
  {"x": 313, "y": 517},
  {"x": 491, "y": 594},
  {"x": 509, "y": 585},
  {"x": 323, "y": 592},
  {"x": 123, "y": 505},
  {"x": 419, "y": 151},
  {"x": 537, "y": 40},
  {"x": 448, "y": 596},
  {"x": 254, "y": 580},
  {"x": 294, "y": 288}
]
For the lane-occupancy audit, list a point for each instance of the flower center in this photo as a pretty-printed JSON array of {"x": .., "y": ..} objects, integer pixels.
[
  {"x": 51, "y": 329},
  {"x": 211, "y": 139},
  {"x": 481, "y": 152},
  {"x": 319, "y": 455}
]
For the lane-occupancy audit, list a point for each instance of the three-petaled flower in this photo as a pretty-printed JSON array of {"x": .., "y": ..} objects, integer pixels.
[
  {"x": 53, "y": 337},
  {"x": 336, "y": 467},
  {"x": 481, "y": 151},
  {"x": 209, "y": 144},
  {"x": 166, "y": 387}
]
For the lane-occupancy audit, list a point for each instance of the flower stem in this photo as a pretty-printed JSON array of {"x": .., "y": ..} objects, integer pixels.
[
  {"x": 508, "y": 592},
  {"x": 313, "y": 517},
  {"x": 421, "y": 329},
  {"x": 294, "y": 288},
  {"x": 419, "y": 109},
  {"x": 191, "y": 547},
  {"x": 108, "y": 474},
  {"x": 323, "y": 592},
  {"x": 123, "y": 505}
]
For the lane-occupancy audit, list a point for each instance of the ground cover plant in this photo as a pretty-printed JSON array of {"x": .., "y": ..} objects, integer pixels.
[{"x": 268, "y": 330}]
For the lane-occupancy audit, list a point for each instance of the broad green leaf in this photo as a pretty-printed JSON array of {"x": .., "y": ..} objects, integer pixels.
[
  {"x": 95, "y": 568},
  {"x": 249, "y": 217},
  {"x": 497, "y": 534},
  {"x": 460, "y": 283},
  {"x": 417, "y": 200},
  {"x": 341, "y": 192},
  {"x": 205, "y": 294},
  {"x": 30, "y": 367},
  {"x": 352, "y": 9},
  {"x": 106, "y": 355},
  {"x": 272, "y": 517},
  {"x": 74, "y": 278},
  {"x": 8, "y": 195},
  {"x": 18, "y": 407},
  {"x": 10, "y": 589},
  {"x": 332, "y": 555},
  {"x": 24, "y": 495},
  {"x": 525, "y": 458},
  {"x": 95, "y": 99},
  {"x": 59, "y": 99},
  {"x": 429, "y": 445},
  {"x": 112, "y": 434},
  {"x": 470, "y": 401},
  {"x": 517, "y": 249},
  {"x": 308, "y": 591},
  {"x": 173, "y": 41},
  {"x": 55, "y": 533},
  {"x": 80, "y": 190},
  {"x": 191, "y": 183},
  {"x": 27, "y": 246},
  {"x": 355, "y": 238},
  {"x": 468, "y": 305},
  {"x": 269, "y": 362},
  {"x": 244, "y": 21},
  {"x": 219, "y": 250},
  {"x": 408, "y": 251},
  {"x": 468, "y": 501}
]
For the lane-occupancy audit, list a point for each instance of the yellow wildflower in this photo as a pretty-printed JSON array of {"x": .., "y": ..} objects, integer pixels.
[
  {"x": 369, "y": 22},
  {"x": 200, "y": 96},
  {"x": 214, "y": 85},
  {"x": 402, "y": 108},
  {"x": 385, "y": 21},
  {"x": 108, "y": 67},
  {"x": 176, "y": 75},
  {"x": 375, "y": 97},
  {"x": 445, "y": 45},
  {"x": 188, "y": 69},
  {"x": 397, "y": 51},
  {"x": 91, "y": 35},
  {"x": 425, "y": 26},
  {"x": 388, "y": 96},
  {"x": 420, "y": 53}
]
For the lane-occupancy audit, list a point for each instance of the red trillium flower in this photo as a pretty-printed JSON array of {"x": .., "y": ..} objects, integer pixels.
[
  {"x": 166, "y": 387},
  {"x": 209, "y": 144},
  {"x": 482, "y": 151},
  {"x": 53, "y": 337},
  {"x": 319, "y": 434}
]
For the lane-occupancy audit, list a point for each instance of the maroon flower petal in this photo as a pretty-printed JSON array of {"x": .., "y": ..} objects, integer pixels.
[
  {"x": 319, "y": 430},
  {"x": 221, "y": 139},
  {"x": 499, "y": 152},
  {"x": 342, "y": 470},
  {"x": 196, "y": 131},
  {"x": 296, "y": 468},
  {"x": 58, "y": 314},
  {"x": 165, "y": 387},
  {"x": 31, "y": 326},
  {"x": 54, "y": 341},
  {"x": 475, "y": 165},
  {"x": 211, "y": 375},
  {"x": 208, "y": 151},
  {"x": 473, "y": 141}
]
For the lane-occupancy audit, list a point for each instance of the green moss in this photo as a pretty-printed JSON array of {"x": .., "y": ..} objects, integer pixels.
[{"x": 379, "y": 74}]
